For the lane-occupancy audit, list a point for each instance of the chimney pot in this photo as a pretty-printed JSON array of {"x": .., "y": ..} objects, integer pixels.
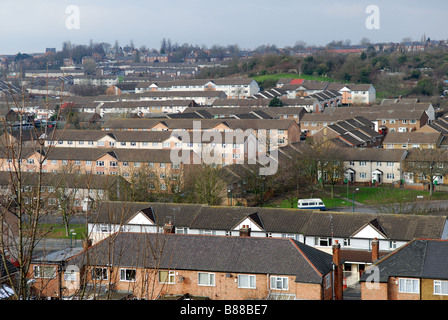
[
  {"x": 245, "y": 231},
  {"x": 168, "y": 227}
]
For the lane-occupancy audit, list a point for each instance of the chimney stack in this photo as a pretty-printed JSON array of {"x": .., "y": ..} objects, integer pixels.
[
  {"x": 337, "y": 262},
  {"x": 245, "y": 231},
  {"x": 168, "y": 227},
  {"x": 375, "y": 249}
]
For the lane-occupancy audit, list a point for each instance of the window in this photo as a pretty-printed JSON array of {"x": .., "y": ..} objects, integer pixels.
[
  {"x": 362, "y": 175},
  {"x": 246, "y": 281},
  {"x": 392, "y": 244},
  {"x": 101, "y": 143},
  {"x": 206, "y": 279},
  {"x": 181, "y": 230},
  {"x": 113, "y": 163},
  {"x": 323, "y": 242},
  {"x": 279, "y": 283},
  {"x": 167, "y": 277},
  {"x": 440, "y": 287},
  {"x": 99, "y": 274},
  {"x": 47, "y": 272},
  {"x": 390, "y": 164},
  {"x": 127, "y": 275},
  {"x": 100, "y": 163},
  {"x": 390, "y": 176},
  {"x": 362, "y": 163},
  {"x": 408, "y": 285}
]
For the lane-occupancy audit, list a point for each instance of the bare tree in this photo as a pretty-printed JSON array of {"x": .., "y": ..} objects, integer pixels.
[{"x": 427, "y": 165}]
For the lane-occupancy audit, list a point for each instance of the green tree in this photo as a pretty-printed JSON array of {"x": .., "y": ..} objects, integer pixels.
[
  {"x": 425, "y": 87},
  {"x": 275, "y": 102}
]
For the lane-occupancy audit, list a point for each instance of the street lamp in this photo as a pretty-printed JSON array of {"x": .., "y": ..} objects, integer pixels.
[
  {"x": 229, "y": 190},
  {"x": 72, "y": 233},
  {"x": 357, "y": 189}
]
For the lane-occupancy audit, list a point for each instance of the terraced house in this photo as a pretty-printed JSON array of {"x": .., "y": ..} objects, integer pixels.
[
  {"x": 194, "y": 266},
  {"x": 228, "y": 149},
  {"x": 127, "y": 163},
  {"x": 284, "y": 131},
  {"x": 320, "y": 230},
  {"x": 393, "y": 278}
]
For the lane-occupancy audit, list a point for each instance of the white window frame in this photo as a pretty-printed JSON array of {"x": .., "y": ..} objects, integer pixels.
[
  {"x": 440, "y": 287},
  {"x": 97, "y": 276},
  {"x": 170, "y": 277},
  {"x": 210, "y": 279},
  {"x": 247, "y": 281},
  {"x": 408, "y": 285},
  {"x": 125, "y": 275},
  {"x": 279, "y": 283}
]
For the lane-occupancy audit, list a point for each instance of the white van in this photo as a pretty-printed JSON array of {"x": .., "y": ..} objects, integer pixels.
[{"x": 311, "y": 204}]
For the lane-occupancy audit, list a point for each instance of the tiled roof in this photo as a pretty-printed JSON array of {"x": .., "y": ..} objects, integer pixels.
[
  {"x": 215, "y": 254},
  {"x": 314, "y": 223},
  {"x": 420, "y": 258}
]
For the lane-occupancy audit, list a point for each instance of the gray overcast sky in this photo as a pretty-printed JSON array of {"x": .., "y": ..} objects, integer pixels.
[{"x": 31, "y": 26}]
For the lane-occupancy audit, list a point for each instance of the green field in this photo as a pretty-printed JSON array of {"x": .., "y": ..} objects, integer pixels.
[
  {"x": 58, "y": 231},
  {"x": 371, "y": 195},
  {"x": 329, "y": 203}
]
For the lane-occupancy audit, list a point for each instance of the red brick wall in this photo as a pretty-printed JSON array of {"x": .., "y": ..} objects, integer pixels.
[
  {"x": 225, "y": 288},
  {"x": 377, "y": 293}
]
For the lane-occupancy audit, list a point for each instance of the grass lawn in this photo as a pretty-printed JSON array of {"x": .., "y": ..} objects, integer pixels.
[
  {"x": 58, "y": 231},
  {"x": 278, "y": 76},
  {"x": 371, "y": 195},
  {"x": 365, "y": 195}
]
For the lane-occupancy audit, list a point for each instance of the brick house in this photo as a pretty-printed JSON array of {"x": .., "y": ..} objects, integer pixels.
[
  {"x": 230, "y": 268},
  {"x": 317, "y": 229},
  {"x": 409, "y": 140},
  {"x": 357, "y": 132},
  {"x": 127, "y": 163},
  {"x": 287, "y": 131},
  {"x": 416, "y": 271}
]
